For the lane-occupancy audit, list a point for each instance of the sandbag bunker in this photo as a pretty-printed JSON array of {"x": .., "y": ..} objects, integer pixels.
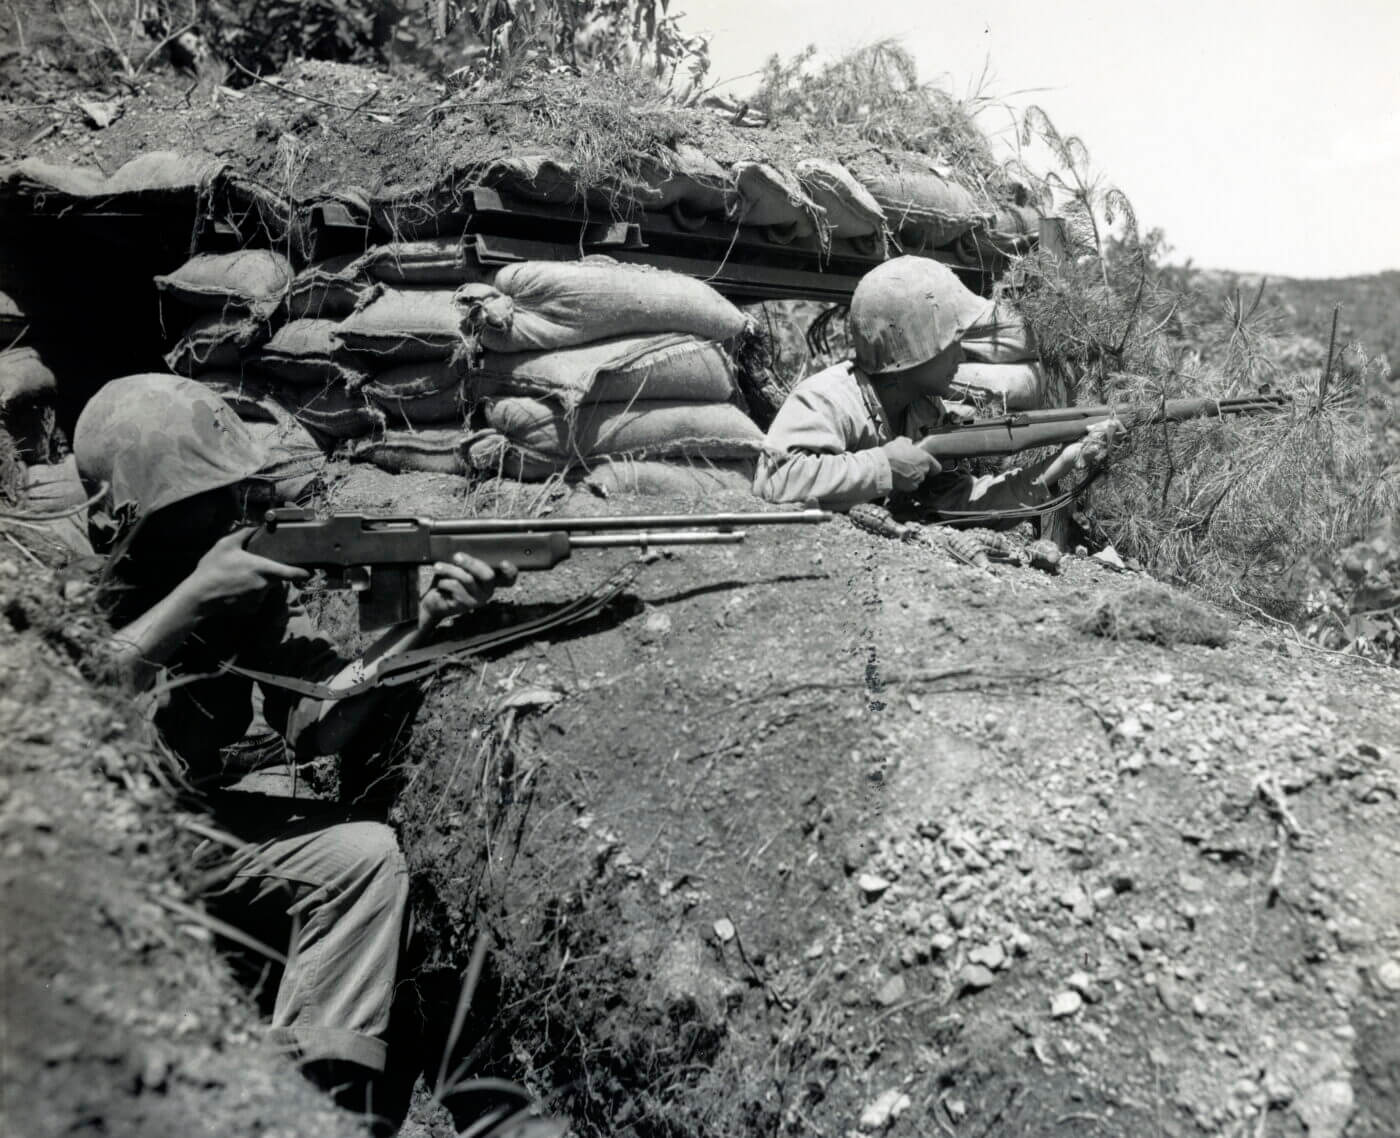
[{"x": 414, "y": 357}]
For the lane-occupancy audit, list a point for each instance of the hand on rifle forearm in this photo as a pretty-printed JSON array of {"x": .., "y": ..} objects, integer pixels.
[
  {"x": 1083, "y": 455},
  {"x": 910, "y": 464},
  {"x": 464, "y": 584}
]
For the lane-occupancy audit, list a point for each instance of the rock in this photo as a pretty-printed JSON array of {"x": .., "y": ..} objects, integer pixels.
[
  {"x": 1388, "y": 975},
  {"x": 1191, "y": 883},
  {"x": 943, "y": 942},
  {"x": 1170, "y": 994},
  {"x": 884, "y": 1110},
  {"x": 1127, "y": 731},
  {"x": 1078, "y": 902},
  {"x": 1021, "y": 942},
  {"x": 656, "y": 627},
  {"x": 872, "y": 886},
  {"x": 1082, "y": 983},
  {"x": 975, "y": 977},
  {"x": 958, "y": 914},
  {"x": 891, "y": 992},
  {"x": 991, "y": 956},
  {"x": 100, "y": 114},
  {"x": 1064, "y": 1004},
  {"x": 724, "y": 930},
  {"x": 1325, "y": 1108}
]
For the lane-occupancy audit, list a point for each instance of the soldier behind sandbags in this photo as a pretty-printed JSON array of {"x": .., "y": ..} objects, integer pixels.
[{"x": 849, "y": 434}]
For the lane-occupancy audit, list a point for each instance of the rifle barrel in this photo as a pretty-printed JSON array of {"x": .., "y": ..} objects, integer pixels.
[
  {"x": 636, "y": 522},
  {"x": 656, "y": 537}
]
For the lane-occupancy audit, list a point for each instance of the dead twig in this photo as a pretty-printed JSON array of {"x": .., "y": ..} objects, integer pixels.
[{"x": 302, "y": 94}]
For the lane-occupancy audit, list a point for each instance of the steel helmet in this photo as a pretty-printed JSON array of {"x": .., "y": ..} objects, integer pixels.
[
  {"x": 908, "y": 310},
  {"x": 159, "y": 439}
]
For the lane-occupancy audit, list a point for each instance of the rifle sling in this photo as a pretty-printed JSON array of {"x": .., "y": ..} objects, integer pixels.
[{"x": 419, "y": 663}]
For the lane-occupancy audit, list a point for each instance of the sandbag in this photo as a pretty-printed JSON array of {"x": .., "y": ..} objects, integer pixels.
[
  {"x": 773, "y": 200},
  {"x": 679, "y": 479},
  {"x": 542, "y": 178},
  {"x": 689, "y": 183},
  {"x": 850, "y": 210},
  {"x": 427, "y": 392},
  {"x": 332, "y": 411},
  {"x": 439, "y": 261},
  {"x": 924, "y": 208},
  {"x": 215, "y": 341},
  {"x": 1000, "y": 335},
  {"x": 327, "y": 290},
  {"x": 403, "y": 325},
  {"x": 294, "y": 466},
  {"x": 672, "y": 367},
  {"x": 543, "y": 305},
  {"x": 307, "y": 352},
  {"x": 489, "y": 454},
  {"x": 251, "y": 401},
  {"x": 24, "y": 378},
  {"x": 441, "y": 451},
  {"x": 640, "y": 430},
  {"x": 294, "y": 461},
  {"x": 1010, "y": 387},
  {"x": 57, "y": 489},
  {"x": 250, "y": 280}
]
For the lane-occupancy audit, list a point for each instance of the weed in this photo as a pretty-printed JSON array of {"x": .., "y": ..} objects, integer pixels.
[{"x": 1152, "y": 613}]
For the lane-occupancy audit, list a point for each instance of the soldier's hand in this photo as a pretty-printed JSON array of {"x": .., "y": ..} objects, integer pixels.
[
  {"x": 228, "y": 573},
  {"x": 1087, "y": 453},
  {"x": 909, "y": 464},
  {"x": 463, "y": 584}
]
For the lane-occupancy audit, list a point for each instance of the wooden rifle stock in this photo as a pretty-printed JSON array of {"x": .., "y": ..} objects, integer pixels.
[{"x": 1011, "y": 434}]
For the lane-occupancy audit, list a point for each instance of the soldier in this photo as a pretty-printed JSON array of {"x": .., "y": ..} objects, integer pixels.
[
  {"x": 850, "y": 433},
  {"x": 189, "y": 599}
]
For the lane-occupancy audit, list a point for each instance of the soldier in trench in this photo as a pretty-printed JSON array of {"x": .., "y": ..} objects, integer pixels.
[
  {"x": 849, "y": 434},
  {"x": 186, "y": 599}
]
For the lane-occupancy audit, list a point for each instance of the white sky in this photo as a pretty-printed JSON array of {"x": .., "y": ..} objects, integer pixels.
[{"x": 1261, "y": 135}]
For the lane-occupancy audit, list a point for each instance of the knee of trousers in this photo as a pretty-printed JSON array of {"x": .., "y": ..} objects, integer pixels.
[{"x": 374, "y": 848}]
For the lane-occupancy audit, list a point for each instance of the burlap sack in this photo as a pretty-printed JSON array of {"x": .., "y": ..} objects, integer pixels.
[
  {"x": 403, "y": 325},
  {"x": 250, "y": 280},
  {"x": 545, "y": 305},
  {"x": 307, "y": 352},
  {"x": 638, "y": 430},
  {"x": 1010, "y": 387},
  {"x": 1000, "y": 336},
  {"x": 216, "y": 341}
]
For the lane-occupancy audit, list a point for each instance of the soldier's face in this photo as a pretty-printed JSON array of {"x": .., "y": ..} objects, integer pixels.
[
  {"x": 184, "y": 531},
  {"x": 933, "y": 377}
]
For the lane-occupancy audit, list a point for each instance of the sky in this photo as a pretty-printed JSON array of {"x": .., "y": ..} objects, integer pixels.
[{"x": 1262, "y": 137}]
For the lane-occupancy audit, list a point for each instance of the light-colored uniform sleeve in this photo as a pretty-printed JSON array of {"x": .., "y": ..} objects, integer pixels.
[
  {"x": 1010, "y": 490},
  {"x": 808, "y": 455}
]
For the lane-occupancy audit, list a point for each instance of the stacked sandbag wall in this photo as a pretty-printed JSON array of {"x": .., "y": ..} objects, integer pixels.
[{"x": 414, "y": 357}]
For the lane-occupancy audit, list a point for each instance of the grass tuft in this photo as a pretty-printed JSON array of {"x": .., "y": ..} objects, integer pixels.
[{"x": 1157, "y": 615}]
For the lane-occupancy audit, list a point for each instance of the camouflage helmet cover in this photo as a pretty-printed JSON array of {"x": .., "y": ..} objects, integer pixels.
[
  {"x": 908, "y": 310},
  {"x": 159, "y": 439}
]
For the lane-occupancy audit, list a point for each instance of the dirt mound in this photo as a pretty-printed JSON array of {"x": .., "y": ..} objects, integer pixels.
[
  {"x": 825, "y": 827},
  {"x": 327, "y": 127},
  {"x": 119, "y": 1017}
]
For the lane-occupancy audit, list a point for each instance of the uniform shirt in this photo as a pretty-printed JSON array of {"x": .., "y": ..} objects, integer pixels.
[
  {"x": 824, "y": 446},
  {"x": 198, "y": 717}
]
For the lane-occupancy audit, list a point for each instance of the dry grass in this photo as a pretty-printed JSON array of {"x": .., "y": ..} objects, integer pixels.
[{"x": 1157, "y": 615}]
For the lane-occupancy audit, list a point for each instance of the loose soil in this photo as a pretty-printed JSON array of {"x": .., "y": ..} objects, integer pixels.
[{"x": 825, "y": 816}]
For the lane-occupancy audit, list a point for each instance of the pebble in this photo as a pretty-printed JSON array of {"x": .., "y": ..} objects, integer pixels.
[
  {"x": 1191, "y": 883},
  {"x": 1065, "y": 1004},
  {"x": 1084, "y": 985},
  {"x": 884, "y": 1110},
  {"x": 991, "y": 956},
  {"x": 1388, "y": 975},
  {"x": 1170, "y": 994},
  {"x": 872, "y": 886},
  {"x": 1325, "y": 1108},
  {"x": 974, "y": 977},
  {"x": 724, "y": 929},
  {"x": 891, "y": 992},
  {"x": 943, "y": 942}
]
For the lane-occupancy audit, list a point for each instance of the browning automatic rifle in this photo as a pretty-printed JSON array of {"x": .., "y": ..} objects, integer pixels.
[
  {"x": 378, "y": 557},
  {"x": 1011, "y": 434}
]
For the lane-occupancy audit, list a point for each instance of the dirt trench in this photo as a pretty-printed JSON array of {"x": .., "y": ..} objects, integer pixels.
[{"x": 825, "y": 832}]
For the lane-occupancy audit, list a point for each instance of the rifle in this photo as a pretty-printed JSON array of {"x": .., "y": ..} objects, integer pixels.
[
  {"x": 378, "y": 557},
  {"x": 1022, "y": 430}
]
